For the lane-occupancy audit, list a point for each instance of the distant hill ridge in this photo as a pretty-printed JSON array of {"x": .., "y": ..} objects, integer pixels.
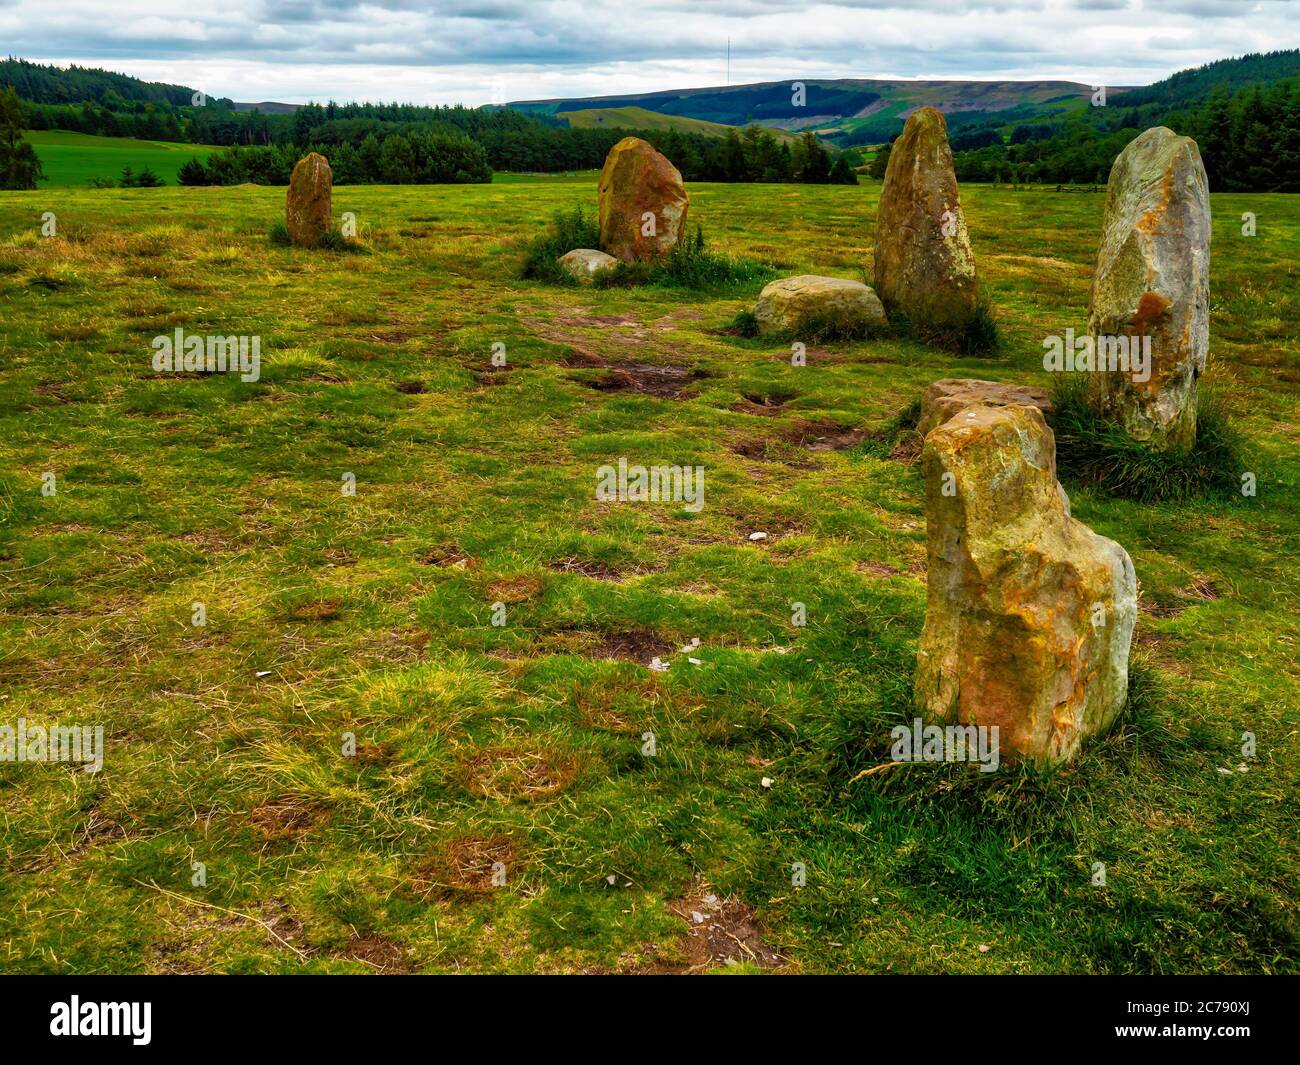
[
  {"x": 866, "y": 110},
  {"x": 846, "y": 111}
]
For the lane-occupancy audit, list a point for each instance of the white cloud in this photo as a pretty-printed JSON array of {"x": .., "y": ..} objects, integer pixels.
[{"x": 442, "y": 51}]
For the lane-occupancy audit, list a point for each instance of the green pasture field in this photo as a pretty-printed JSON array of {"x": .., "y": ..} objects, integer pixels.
[
  {"x": 76, "y": 159},
  {"x": 501, "y": 811}
]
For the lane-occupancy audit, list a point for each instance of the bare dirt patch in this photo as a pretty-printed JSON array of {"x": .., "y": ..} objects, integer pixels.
[
  {"x": 286, "y": 819},
  {"x": 319, "y": 610},
  {"x": 907, "y": 449},
  {"x": 1160, "y": 609},
  {"x": 879, "y": 569},
  {"x": 645, "y": 379},
  {"x": 599, "y": 571},
  {"x": 517, "y": 589},
  {"x": 631, "y": 645},
  {"x": 492, "y": 376},
  {"x": 762, "y": 402},
  {"x": 465, "y": 865},
  {"x": 721, "y": 932},
  {"x": 825, "y": 435},
  {"x": 1202, "y": 588},
  {"x": 506, "y": 773},
  {"x": 383, "y": 955},
  {"x": 52, "y": 391}
]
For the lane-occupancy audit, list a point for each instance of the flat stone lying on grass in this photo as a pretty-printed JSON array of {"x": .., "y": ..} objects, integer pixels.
[
  {"x": 1029, "y": 613},
  {"x": 951, "y": 395},
  {"x": 811, "y": 302},
  {"x": 586, "y": 263},
  {"x": 1153, "y": 281},
  {"x": 307, "y": 205}
]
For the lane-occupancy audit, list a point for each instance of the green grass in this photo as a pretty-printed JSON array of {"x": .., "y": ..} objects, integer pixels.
[
  {"x": 522, "y": 744},
  {"x": 1093, "y": 452},
  {"x": 76, "y": 159}
]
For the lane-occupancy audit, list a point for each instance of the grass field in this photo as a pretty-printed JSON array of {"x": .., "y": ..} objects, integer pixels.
[
  {"x": 72, "y": 159},
  {"x": 522, "y": 744}
]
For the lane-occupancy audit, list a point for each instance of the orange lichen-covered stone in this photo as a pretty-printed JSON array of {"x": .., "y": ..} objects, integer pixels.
[
  {"x": 1029, "y": 613},
  {"x": 1152, "y": 285},
  {"x": 643, "y": 203}
]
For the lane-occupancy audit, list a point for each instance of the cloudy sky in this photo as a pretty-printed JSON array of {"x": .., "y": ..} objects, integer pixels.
[{"x": 480, "y": 51}]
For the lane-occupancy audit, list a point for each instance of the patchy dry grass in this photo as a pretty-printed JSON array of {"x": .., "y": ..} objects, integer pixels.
[{"x": 523, "y": 744}]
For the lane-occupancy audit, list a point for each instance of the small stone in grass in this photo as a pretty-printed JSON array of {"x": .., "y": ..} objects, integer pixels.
[
  {"x": 766, "y": 782},
  {"x": 758, "y": 536}
]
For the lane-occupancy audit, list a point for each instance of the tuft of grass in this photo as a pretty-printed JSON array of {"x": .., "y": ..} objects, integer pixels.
[
  {"x": 333, "y": 240},
  {"x": 899, "y": 437},
  {"x": 55, "y": 277},
  {"x": 978, "y": 338},
  {"x": 743, "y": 325},
  {"x": 1092, "y": 451},
  {"x": 570, "y": 229},
  {"x": 691, "y": 265}
]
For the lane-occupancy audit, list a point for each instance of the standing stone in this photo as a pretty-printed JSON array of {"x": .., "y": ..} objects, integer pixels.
[
  {"x": 1029, "y": 613},
  {"x": 643, "y": 203},
  {"x": 924, "y": 265},
  {"x": 307, "y": 205},
  {"x": 1153, "y": 280}
]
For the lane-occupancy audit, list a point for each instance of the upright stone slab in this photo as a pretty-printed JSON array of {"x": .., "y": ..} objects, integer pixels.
[
  {"x": 307, "y": 212},
  {"x": 924, "y": 265},
  {"x": 1029, "y": 613},
  {"x": 1152, "y": 279},
  {"x": 643, "y": 203}
]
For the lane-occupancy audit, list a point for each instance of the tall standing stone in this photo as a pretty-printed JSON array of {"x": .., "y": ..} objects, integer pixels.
[
  {"x": 307, "y": 211},
  {"x": 643, "y": 203},
  {"x": 1152, "y": 279},
  {"x": 924, "y": 265},
  {"x": 1029, "y": 613}
]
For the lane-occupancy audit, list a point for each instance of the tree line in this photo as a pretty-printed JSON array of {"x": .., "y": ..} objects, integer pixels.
[
  {"x": 414, "y": 157},
  {"x": 1249, "y": 141},
  {"x": 445, "y": 155},
  {"x": 389, "y": 142}
]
